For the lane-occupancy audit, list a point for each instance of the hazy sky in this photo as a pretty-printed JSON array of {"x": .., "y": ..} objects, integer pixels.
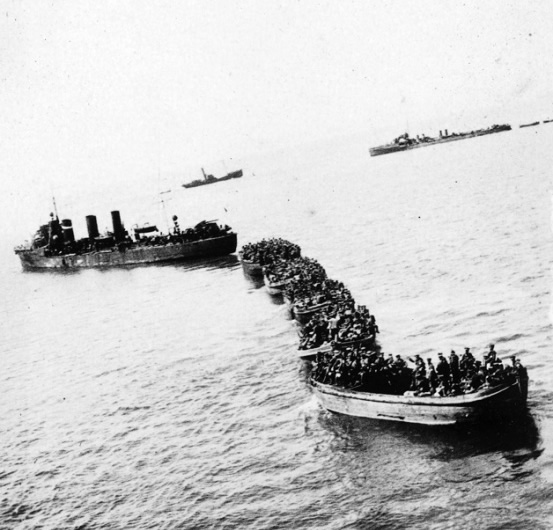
[{"x": 99, "y": 92}]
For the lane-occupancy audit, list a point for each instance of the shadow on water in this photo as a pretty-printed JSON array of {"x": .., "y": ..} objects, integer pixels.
[
  {"x": 276, "y": 299},
  {"x": 519, "y": 438},
  {"x": 256, "y": 281}
]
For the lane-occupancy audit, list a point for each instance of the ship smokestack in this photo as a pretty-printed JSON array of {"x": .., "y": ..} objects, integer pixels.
[
  {"x": 68, "y": 235},
  {"x": 92, "y": 226},
  {"x": 446, "y": 132},
  {"x": 118, "y": 229}
]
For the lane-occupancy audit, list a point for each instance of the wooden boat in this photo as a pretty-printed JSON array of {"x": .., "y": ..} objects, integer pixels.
[
  {"x": 529, "y": 124},
  {"x": 275, "y": 288},
  {"x": 414, "y": 143},
  {"x": 311, "y": 353},
  {"x": 367, "y": 340},
  {"x": 303, "y": 316},
  {"x": 487, "y": 404},
  {"x": 251, "y": 267}
]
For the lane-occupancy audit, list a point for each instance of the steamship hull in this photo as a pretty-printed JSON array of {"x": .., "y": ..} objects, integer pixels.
[{"x": 132, "y": 255}]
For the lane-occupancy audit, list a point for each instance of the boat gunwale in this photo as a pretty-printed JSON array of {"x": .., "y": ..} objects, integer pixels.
[{"x": 463, "y": 400}]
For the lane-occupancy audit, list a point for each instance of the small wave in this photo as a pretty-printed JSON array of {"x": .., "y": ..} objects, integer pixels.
[{"x": 510, "y": 338}]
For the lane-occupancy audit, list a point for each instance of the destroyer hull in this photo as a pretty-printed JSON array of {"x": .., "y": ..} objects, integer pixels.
[
  {"x": 134, "y": 255},
  {"x": 394, "y": 148},
  {"x": 468, "y": 408}
]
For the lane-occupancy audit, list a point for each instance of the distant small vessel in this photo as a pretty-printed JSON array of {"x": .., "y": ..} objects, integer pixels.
[
  {"x": 406, "y": 143},
  {"x": 529, "y": 124},
  {"x": 488, "y": 403},
  {"x": 547, "y": 121},
  {"x": 210, "y": 179},
  {"x": 54, "y": 246}
]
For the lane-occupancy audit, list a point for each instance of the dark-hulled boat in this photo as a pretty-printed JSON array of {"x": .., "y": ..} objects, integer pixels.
[
  {"x": 533, "y": 124},
  {"x": 210, "y": 179},
  {"x": 488, "y": 403},
  {"x": 55, "y": 247},
  {"x": 406, "y": 143},
  {"x": 250, "y": 267}
]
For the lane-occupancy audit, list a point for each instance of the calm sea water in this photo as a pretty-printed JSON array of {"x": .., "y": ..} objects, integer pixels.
[{"x": 172, "y": 397}]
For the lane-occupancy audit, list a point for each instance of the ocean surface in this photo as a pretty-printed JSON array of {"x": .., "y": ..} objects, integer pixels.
[{"x": 172, "y": 396}]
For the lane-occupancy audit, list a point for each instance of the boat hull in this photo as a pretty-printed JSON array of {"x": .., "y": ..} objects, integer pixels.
[
  {"x": 135, "y": 255},
  {"x": 492, "y": 403},
  {"x": 194, "y": 184},
  {"x": 251, "y": 268},
  {"x": 311, "y": 354},
  {"x": 303, "y": 316},
  {"x": 394, "y": 148},
  {"x": 275, "y": 288}
]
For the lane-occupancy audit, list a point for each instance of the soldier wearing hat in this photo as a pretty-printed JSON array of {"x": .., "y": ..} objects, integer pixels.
[
  {"x": 491, "y": 357},
  {"x": 443, "y": 371}
]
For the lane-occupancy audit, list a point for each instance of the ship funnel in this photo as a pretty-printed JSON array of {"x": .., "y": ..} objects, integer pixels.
[
  {"x": 92, "y": 226},
  {"x": 118, "y": 229},
  {"x": 441, "y": 134},
  {"x": 68, "y": 235},
  {"x": 446, "y": 132}
]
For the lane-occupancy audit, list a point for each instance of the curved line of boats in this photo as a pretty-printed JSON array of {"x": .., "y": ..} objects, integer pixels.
[{"x": 487, "y": 403}]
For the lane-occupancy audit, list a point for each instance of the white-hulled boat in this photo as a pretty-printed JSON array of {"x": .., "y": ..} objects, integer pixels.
[
  {"x": 311, "y": 353},
  {"x": 488, "y": 403},
  {"x": 303, "y": 314}
]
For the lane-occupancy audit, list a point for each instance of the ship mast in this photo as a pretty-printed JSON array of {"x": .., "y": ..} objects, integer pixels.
[{"x": 55, "y": 208}]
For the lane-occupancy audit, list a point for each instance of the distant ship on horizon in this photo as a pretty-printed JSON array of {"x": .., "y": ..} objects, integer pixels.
[
  {"x": 405, "y": 142},
  {"x": 210, "y": 179}
]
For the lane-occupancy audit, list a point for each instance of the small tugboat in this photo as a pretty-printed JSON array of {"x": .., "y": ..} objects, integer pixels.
[
  {"x": 55, "y": 247},
  {"x": 406, "y": 143},
  {"x": 488, "y": 403},
  {"x": 210, "y": 179}
]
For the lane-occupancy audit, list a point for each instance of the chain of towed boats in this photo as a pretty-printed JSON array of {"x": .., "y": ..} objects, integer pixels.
[{"x": 331, "y": 325}]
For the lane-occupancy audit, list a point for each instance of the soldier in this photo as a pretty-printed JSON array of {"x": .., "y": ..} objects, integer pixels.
[
  {"x": 490, "y": 358},
  {"x": 432, "y": 375},
  {"x": 454, "y": 368},
  {"x": 443, "y": 372}
]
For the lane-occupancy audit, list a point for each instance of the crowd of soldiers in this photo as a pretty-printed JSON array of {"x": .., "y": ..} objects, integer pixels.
[
  {"x": 304, "y": 271},
  {"x": 352, "y": 361},
  {"x": 371, "y": 371},
  {"x": 269, "y": 251},
  {"x": 339, "y": 324}
]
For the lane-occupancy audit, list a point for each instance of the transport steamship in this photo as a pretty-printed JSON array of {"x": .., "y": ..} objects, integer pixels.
[
  {"x": 54, "y": 245},
  {"x": 210, "y": 179}
]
